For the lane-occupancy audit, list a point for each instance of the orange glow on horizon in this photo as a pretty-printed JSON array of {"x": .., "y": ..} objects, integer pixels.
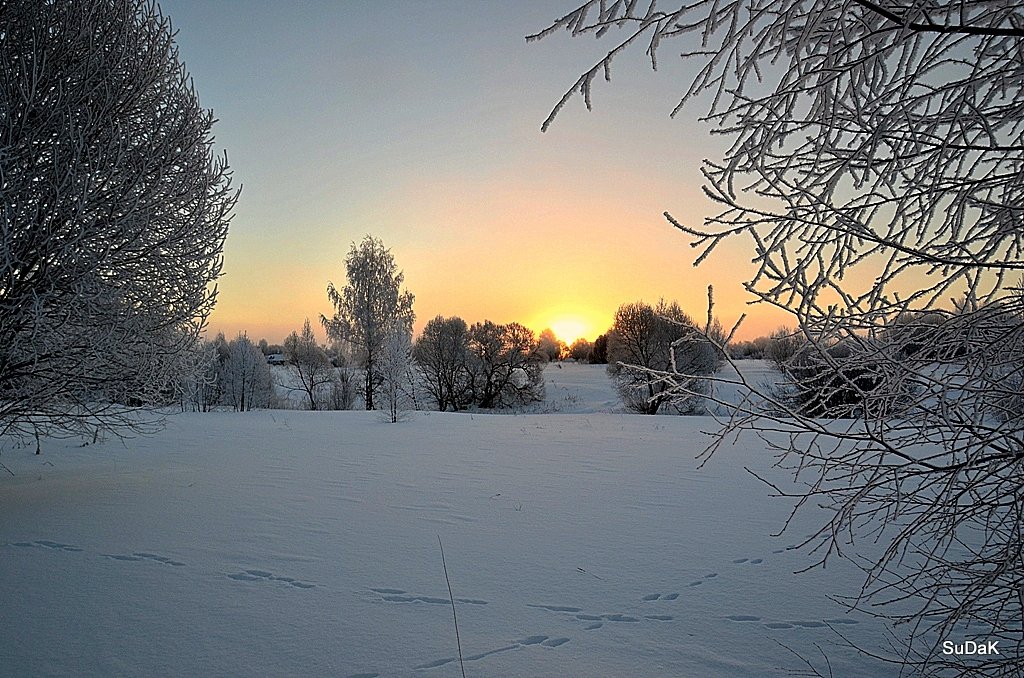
[
  {"x": 506, "y": 248},
  {"x": 569, "y": 329}
]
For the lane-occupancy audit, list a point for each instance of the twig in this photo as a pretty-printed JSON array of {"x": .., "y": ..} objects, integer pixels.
[
  {"x": 7, "y": 469},
  {"x": 451, "y": 596}
]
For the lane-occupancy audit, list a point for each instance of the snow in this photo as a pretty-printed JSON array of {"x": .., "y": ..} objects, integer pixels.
[{"x": 281, "y": 543}]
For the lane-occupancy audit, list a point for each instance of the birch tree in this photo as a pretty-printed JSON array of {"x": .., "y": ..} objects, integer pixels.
[
  {"x": 309, "y": 364},
  {"x": 244, "y": 377},
  {"x": 395, "y": 367},
  {"x": 876, "y": 169},
  {"x": 113, "y": 211},
  {"x": 369, "y": 308}
]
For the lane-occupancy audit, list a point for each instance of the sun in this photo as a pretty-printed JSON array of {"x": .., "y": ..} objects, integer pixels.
[{"x": 569, "y": 329}]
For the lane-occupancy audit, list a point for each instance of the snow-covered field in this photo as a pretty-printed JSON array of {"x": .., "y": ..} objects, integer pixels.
[{"x": 286, "y": 543}]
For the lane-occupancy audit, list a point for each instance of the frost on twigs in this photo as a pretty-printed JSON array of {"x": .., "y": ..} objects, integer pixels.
[
  {"x": 875, "y": 169},
  {"x": 113, "y": 209}
]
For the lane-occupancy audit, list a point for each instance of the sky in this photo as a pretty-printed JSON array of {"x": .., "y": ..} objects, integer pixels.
[{"x": 419, "y": 123}]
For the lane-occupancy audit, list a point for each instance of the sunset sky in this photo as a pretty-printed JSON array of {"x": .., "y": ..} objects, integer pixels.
[{"x": 419, "y": 123}]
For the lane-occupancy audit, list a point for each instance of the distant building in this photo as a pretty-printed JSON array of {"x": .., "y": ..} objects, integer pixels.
[{"x": 277, "y": 359}]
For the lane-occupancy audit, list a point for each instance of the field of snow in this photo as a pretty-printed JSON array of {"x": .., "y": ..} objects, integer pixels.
[{"x": 283, "y": 543}]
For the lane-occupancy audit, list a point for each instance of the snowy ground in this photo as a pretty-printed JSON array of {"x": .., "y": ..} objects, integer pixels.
[{"x": 306, "y": 543}]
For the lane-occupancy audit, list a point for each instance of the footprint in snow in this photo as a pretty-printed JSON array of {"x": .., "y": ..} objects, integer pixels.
[
  {"x": 750, "y": 561},
  {"x": 390, "y": 595},
  {"x": 598, "y": 619},
  {"x": 263, "y": 575},
  {"x": 46, "y": 544},
  {"x": 555, "y": 608},
  {"x": 138, "y": 556},
  {"x": 650, "y": 597},
  {"x": 538, "y": 640}
]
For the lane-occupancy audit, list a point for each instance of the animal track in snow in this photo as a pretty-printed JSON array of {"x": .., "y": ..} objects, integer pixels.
[
  {"x": 555, "y": 608},
  {"x": 140, "y": 556},
  {"x": 749, "y": 561},
  {"x": 650, "y": 597},
  {"x": 46, "y": 544},
  {"x": 391, "y": 595},
  {"x": 263, "y": 575},
  {"x": 538, "y": 640},
  {"x": 598, "y": 620}
]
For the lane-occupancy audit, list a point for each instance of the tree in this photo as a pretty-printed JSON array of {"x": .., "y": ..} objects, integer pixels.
[
  {"x": 244, "y": 378},
  {"x": 370, "y": 308},
  {"x": 880, "y": 150},
  {"x": 309, "y": 363},
  {"x": 507, "y": 369},
  {"x": 114, "y": 214},
  {"x": 199, "y": 387},
  {"x": 396, "y": 371},
  {"x": 599, "y": 354},
  {"x": 550, "y": 346},
  {"x": 653, "y": 339},
  {"x": 580, "y": 350},
  {"x": 442, "y": 354},
  {"x": 783, "y": 344}
]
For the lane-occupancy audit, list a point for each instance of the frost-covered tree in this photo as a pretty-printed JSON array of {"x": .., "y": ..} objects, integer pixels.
[
  {"x": 244, "y": 376},
  {"x": 876, "y": 168},
  {"x": 309, "y": 364},
  {"x": 550, "y": 346},
  {"x": 508, "y": 371},
  {"x": 783, "y": 343},
  {"x": 369, "y": 308},
  {"x": 651, "y": 338},
  {"x": 442, "y": 354},
  {"x": 199, "y": 389},
  {"x": 599, "y": 352},
  {"x": 113, "y": 210},
  {"x": 395, "y": 368},
  {"x": 580, "y": 350}
]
